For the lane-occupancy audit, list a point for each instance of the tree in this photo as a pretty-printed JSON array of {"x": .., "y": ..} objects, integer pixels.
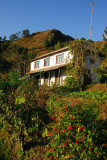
[
  {"x": 0, "y": 38},
  {"x": 104, "y": 50},
  {"x": 4, "y": 38},
  {"x": 76, "y": 69},
  {"x": 25, "y": 33},
  {"x": 25, "y": 112},
  {"x": 13, "y": 37},
  {"x": 105, "y": 34}
]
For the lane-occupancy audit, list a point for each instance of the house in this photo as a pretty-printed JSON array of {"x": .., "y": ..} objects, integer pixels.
[{"x": 51, "y": 67}]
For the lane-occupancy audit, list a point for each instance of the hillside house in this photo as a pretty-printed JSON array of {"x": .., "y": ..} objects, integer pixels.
[{"x": 51, "y": 67}]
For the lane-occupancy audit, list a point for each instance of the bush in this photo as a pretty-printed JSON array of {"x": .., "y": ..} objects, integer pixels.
[
  {"x": 78, "y": 135},
  {"x": 72, "y": 84},
  {"x": 4, "y": 150}
]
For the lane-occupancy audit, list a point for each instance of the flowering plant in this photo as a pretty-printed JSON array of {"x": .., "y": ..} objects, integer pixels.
[{"x": 78, "y": 135}]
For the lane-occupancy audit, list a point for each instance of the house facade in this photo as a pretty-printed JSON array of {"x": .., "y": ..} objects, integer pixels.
[{"x": 51, "y": 67}]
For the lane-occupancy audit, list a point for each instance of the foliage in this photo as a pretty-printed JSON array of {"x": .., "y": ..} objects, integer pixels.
[
  {"x": 25, "y": 112},
  {"x": 78, "y": 135},
  {"x": 13, "y": 37},
  {"x": 52, "y": 105},
  {"x": 25, "y": 33},
  {"x": 102, "y": 71},
  {"x": 83, "y": 39},
  {"x": 105, "y": 33},
  {"x": 13, "y": 79},
  {"x": 96, "y": 95},
  {"x": 72, "y": 84},
  {"x": 4, "y": 150},
  {"x": 104, "y": 50},
  {"x": 76, "y": 66}
]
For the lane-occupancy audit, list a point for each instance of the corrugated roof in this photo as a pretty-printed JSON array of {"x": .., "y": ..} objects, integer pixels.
[
  {"x": 46, "y": 69},
  {"x": 47, "y": 54}
]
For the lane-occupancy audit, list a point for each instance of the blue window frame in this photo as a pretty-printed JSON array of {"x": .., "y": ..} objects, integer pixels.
[
  {"x": 59, "y": 58},
  {"x": 46, "y": 61},
  {"x": 36, "y": 64}
]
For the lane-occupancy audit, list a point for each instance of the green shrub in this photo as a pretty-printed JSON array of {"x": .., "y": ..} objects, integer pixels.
[
  {"x": 4, "y": 150},
  {"x": 78, "y": 135},
  {"x": 72, "y": 84}
]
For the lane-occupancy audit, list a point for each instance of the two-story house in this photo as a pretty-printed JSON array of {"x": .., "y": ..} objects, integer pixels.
[{"x": 51, "y": 67}]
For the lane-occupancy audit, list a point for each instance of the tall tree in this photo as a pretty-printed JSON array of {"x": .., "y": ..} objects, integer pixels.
[{"x": 25, "y": 33}]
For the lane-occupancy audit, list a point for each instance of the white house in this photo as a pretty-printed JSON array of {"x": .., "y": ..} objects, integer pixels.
[{"x": 51, "y": 67}]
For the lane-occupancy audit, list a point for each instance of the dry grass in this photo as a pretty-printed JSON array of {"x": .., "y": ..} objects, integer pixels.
[
  {"x": 100, "y": 45},
  {"x": 97, "y": 87}
]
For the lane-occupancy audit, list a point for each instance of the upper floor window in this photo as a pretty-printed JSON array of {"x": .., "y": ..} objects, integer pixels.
[
  {"x": 36, "y": 64},
  {"x": 46, "y": 61},
  {"x": 59, "y": 58}
]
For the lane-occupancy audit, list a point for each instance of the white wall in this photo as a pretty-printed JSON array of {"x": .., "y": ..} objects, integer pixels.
[
  {"x": 52, "y": 61},
  {"x": 67, "y": 58}
]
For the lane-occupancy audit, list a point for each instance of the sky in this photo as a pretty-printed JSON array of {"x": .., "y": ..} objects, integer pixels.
[{"x": 71, "y": 17}]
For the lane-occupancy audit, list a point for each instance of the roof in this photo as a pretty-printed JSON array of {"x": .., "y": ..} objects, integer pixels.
[
  {"x": 46, "y": 69},
  {"x": 56, "y": 51}
]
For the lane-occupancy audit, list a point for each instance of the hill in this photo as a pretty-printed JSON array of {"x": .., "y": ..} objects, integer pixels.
[{"x": 44, "y": 41}]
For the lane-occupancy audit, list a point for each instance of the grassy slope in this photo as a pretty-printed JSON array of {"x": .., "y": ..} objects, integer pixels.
[{"x": 36, "y": 41}]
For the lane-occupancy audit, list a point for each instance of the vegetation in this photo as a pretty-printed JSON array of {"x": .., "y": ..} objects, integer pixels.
[
  {"x": 50, "y": 123},
  {"x": 105, "y": 34}
]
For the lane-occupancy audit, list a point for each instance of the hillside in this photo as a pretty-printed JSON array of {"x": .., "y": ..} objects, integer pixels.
[{"x": 37, "y": 41}]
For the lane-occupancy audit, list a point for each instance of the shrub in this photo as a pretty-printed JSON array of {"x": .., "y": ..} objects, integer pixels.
[
  {"x": 78, "y": 135},
  {"x": 72, "y": 84}
]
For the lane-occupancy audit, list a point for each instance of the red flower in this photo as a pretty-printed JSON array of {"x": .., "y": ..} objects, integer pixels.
[
  {"x": 51, "y": 150},
  {"x": 52, "y": 139},
  {"x": 81, "y": 129},
  {"x": 93, "y": 130},
  {"x": 55, "y": 123},
  {"x": 95, "y": 123},
  {"x": 49, "y": 133},
  {"x": 58, "y": 131},
  {"x": 96, "y": 153},
  {"x": 51, "y": 157},
  {"x": 82, "y": 138},
  {"x": 73, "y": 117},
  {"x": 76, "y": 142},
  {"x": 76, "y": 126},
  {"x": 63, "y": 130},
  {"x": 64, "y": 144},
  {"x": 69, "y": 128},
  {"x": 52, "y": 117},
  {"x": 105, "y": 145},
  {"x": 55, "y": 148},
  {"x": 66, "y": 108},
  {"x": 61, "y": 111},
  {"x": 70, "y": 117},
  {"x": 67, "y": 141},
  {"x": 54, "y": 129},
  {"x": 83, "y": 146},
  {"x": 61, "y": 145}
]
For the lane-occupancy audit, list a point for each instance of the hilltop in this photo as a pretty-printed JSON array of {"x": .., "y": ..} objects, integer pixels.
[{"x": 44, "y": 41}]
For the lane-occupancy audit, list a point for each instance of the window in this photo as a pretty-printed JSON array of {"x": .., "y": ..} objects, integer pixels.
[
  {"x": 46, "y": 61},
  {"x": 36, "y": 64},
  {"x": 59, "y": 58}
]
